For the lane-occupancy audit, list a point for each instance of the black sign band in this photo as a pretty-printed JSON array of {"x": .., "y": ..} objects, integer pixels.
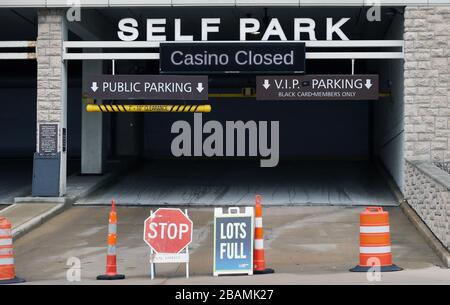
[
  {"x": 317, "y": 87},
  {"x": 151, "y": 87},
  {"x": 207, "y": 58}
]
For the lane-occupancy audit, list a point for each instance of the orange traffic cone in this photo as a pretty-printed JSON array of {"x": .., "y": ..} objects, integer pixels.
[
  {"x": 111, "y": 257},
  {"x": 375, "y": 241},
  {"x": 7, "y": 267},
  {"x": 259, "y": 263}
]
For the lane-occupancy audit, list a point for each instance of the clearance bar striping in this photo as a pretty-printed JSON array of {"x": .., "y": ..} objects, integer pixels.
[{"x": 148, "y": 108}]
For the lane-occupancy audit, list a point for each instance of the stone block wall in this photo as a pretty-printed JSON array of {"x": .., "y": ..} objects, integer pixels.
[
  {"x": 427, "y": 191},
  {"x": 52, "y": 83},
  {"x": 50, "y": 66},
  {"x": 427, "y": 83}
]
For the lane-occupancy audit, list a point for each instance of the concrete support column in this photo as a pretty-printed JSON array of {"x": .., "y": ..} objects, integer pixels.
[
  {"x": 52, "y": 90},
  {"x": 427, "y": 83},
  {"x": 92, "y": 154}
]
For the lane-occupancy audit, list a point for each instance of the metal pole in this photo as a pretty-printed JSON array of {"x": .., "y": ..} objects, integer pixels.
[
  {"x": 152, "y": 265},
  {"x": 113, "y": 67},
  {"x": 353, "y": 66},
  {"x": 152, "y": 271},
  {"x": 187, "y": 251}
]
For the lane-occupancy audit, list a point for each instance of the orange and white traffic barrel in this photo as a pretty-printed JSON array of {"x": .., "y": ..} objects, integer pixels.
[
  {"x": 259, "y": 263},
  {"x": 7, "y": 266},
  {"x": 375, "y": 241},
  {"x": 111, "y": 257}
]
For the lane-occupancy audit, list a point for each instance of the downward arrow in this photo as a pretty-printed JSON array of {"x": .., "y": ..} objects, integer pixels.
[
  {"x": 368, "y": 84},
  {"x": 266, "y": 84},
  {"x": 200, "y": 87},
  {"x": 94, "y": 86}
]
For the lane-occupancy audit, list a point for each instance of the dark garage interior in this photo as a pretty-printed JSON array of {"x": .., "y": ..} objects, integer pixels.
[{"x": 331, "y": 152}]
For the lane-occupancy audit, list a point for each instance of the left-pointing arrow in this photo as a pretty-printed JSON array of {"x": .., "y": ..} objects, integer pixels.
[{"x": 94, "y": 86}]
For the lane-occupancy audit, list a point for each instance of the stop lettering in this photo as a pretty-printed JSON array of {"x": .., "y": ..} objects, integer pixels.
[{"x": 168, "y": 230}]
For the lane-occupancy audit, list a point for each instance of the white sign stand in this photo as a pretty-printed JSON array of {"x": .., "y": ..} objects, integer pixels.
[{"x": 168, "y": 258}]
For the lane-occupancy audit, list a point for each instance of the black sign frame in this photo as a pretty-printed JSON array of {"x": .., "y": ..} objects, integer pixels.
[
  {"x": 196, "y": 93},
  {"x": 369, "y": 90},
  {"x": 266, "y": 47}
]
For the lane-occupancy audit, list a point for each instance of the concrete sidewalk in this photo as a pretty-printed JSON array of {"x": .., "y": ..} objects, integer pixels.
[
  {"x": 26, "y": 217},
  {"x": 30, "y": 212},
  {"x": 303, "y": 244},
  {"x": 78, "y": 187}
]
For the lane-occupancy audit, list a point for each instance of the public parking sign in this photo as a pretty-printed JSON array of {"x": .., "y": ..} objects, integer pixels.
[
  {"x": 233, "y": 241},
  {"x": 168, "y": 231},
  {"x": 151, "y": 87},
  {"x": 318, "y": 87}
]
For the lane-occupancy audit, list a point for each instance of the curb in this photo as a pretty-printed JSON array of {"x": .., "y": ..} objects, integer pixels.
[
  {"x": 61, "y": 204},
  {"x": 36, "y": 221},
  {"x": 107, "y": 179},
  {"x": 426, "y": 233}
]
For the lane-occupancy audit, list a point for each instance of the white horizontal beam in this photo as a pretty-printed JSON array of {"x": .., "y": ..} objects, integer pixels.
[
  {"x": 308, "y": 43},
  {"x": 225, "y": 3},
  {"x": 110, "y": 44},
  {"x": 309, "y": 55},
  {"x": 354, "y": 55},
  {"x": 17, "y": 56},
  {"x": 17, "y": 44},
  {"x": 354, "y": 43},
  {"x": 315, "y": 43},
  {"x": 111, "y": 56}
]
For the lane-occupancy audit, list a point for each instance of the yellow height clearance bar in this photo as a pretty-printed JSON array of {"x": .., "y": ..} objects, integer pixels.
[{"x": 148, "y": 108}]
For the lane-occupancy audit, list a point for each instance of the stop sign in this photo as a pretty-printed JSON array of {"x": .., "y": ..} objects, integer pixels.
[{"x": 168, "y": 230}]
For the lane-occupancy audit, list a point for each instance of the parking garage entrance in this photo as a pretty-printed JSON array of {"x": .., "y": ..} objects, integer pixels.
[{"x": 331, "y": 152}]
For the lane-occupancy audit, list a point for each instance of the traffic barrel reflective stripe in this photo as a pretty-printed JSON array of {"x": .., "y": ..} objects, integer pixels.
[
  {"x": 148, "y": 108},
  {"x": 375, "y": 241},
  {"x": 7, "y": 266},
  {"x": 374, "y": 229},
  {"x": 112, "y": 228},
  {"x": 5, "y": 241},
  {"x": 5, "y": 232},
  {"x": 259, "y": 262},
  {"x": 375, "y": 250},
  {"x": 6, "y": 251},
  {"x": 111, "y": 252},
  {"x": 259, "y": 244},
  {"x": 7, "y": 261}
]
